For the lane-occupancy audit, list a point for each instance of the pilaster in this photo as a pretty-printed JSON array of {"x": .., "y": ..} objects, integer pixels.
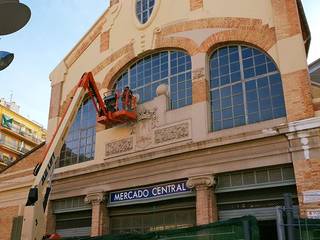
[
  {"x": 100, "y": 218},
  {"x": 206, "y": 207}
]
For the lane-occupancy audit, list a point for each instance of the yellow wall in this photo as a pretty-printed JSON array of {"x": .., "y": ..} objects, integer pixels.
[{"x": 36, "y": 129}]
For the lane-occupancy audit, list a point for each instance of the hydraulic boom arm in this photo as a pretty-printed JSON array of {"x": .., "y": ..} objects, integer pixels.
[{"x": 33, "y": 227}]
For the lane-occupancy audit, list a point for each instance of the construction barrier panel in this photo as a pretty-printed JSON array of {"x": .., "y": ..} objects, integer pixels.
[{"x": 244, "y": 228}]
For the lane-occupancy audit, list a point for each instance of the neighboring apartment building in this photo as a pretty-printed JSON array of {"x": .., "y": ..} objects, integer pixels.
[
  {"x": 18, "y": 134},
  {"x": 226, "y": 120}
]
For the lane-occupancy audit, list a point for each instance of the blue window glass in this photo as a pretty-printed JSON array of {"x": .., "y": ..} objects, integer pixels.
[
  {"x": 144, "y": 10},
  {"x": 79, "y": 145},
  {"x": 168, "y": 67},
  {"x": 245, "y": 87}
]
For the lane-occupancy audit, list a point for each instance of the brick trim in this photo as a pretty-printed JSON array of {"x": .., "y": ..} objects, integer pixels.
[
  {"x": 196, "y": 4},
  {"x": 113, "y": 2},
  {"x": 262, "y": 37},
  {"x": 200, "y": 92},
  {"x": 226, "y": 22},
  {"x": 104, "y": 41},
  {"x": 245, "y": 30},
  {"x": 55, "y": 99},
  {"x": 112, "y": 58},
  {"x": 185, "y": 44},
  {"x": 297, "y": 94},
  {"x": 110, "y": 79},
  {"x": 84, "y": 43},
  {"x": 286, "y": 18}
]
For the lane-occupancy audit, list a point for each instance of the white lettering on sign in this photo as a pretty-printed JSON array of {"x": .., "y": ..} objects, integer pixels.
[
  {"x": 314, "y": 214},
  {"x": 150, "y": 192},
  {"x": 311, "y": 196}
]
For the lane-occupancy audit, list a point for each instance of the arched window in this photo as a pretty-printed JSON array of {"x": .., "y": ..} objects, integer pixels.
[
  {"x": 144, "y": 10},
  {"x": 245, "y": 87},
  {"x": 168, "y": 67},
  {"x": 79, "y": 145}
]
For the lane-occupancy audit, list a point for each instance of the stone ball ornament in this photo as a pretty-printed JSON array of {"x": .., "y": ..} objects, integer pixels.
[
  {"x": 13, "y": 16},
  {"x": 137, "y": 96},
  {"x": 162, "y": 90}
]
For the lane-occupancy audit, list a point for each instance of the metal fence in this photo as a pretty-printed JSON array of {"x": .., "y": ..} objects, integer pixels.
[
  {"x": 290, "y": 227},
  {"x": 245, "y": 228}
]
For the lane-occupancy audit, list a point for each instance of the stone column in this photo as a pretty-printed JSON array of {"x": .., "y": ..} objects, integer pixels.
[
  {"x": 200, "y": 85},
  {"x": 305, "y": 153},
  {"x": 206, "y": 207},
  {"x": 100, "y": 218}
]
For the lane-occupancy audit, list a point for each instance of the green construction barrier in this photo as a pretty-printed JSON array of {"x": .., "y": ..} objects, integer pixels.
[
  {"x": 244, "y": 228},
  {"x": 307, "y": 229}
]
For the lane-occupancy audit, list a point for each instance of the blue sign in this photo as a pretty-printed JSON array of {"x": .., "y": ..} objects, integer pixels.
[{"x": 163, "y": 191}]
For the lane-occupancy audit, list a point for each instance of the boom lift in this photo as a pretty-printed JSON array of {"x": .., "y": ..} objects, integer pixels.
[{"x": 120, "y": 108}]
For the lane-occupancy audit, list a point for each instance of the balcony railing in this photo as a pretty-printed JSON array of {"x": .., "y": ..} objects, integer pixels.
[
  {"x": 6, "y": 161},
  {"x": 15, "y": 147},
  {"x": 26, "y": 134}
]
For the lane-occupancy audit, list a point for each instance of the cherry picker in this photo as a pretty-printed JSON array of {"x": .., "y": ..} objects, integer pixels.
[{"x": 117, "y": 108}]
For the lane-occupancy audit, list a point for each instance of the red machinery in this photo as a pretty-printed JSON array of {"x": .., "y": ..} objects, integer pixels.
[{"x": 115, "y": 109}]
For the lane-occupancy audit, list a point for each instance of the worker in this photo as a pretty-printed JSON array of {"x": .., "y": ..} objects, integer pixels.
[
  {"x": 109, "y": 99},
  {"x": 126, "y": 98}
]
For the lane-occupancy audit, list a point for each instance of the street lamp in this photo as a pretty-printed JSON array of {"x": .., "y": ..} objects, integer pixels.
[
  {"x": 5, "y": 59},
  {"x": 13, "y": 16}
]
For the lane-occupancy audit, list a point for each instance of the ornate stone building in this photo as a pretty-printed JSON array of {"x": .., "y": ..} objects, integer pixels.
[{"x": 226, "y": 119}]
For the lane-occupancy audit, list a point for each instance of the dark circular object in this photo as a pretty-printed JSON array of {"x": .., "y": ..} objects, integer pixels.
[
  {"x": 5, "y": 59},
  {"x": 13, "y": 16}
]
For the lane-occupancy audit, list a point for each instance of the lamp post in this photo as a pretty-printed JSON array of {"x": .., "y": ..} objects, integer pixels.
[
  {"x": 5, "y": 59},
  {"x": 13, "y": 16}
]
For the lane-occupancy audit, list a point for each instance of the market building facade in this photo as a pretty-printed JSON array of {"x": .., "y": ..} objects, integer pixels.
[{"x": 226, "y": 119}]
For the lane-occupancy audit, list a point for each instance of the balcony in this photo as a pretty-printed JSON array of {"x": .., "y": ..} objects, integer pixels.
[
  {"x": 17, "y": 148},
  {"x": 5, "y": 161},
  {"x": 32, "y": 138}
]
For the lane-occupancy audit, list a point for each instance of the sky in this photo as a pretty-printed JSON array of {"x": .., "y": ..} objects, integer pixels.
[{"x": 53, "y": 30}]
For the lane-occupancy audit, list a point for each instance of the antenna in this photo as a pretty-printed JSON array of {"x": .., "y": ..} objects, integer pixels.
[{"x": 11, "y": 96}]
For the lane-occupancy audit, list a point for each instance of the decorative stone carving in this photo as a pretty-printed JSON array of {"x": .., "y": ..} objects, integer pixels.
[
  {"x": 120, "y": 146},
  {"x": 148, "y": 114},
  {"x": 162, "y": 89},
  {"x": 198, "y": 73},
  {"x": 201, "y": 181},
  {"x": 147, "y": 120},
  {"x": 95, "y": 198},
  {"x": 172, "y": 133}
]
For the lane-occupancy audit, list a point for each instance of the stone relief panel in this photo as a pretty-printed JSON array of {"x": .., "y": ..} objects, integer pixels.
[
  {"x": 147, "y": 121},
  {"x": 172, "y": 133},
  {"x": 147, "y": 134},
  {"x": 120, "y": 146}
]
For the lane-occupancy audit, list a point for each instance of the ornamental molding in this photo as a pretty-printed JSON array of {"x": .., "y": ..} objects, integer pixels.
[
  {"x": 147, "y": 121},
  {"x": 95, "y": 198},
  {"x": 120, "y": 146},
  {"x": 151, "y": 114},
  {"x": 172, "y": 133},
  {"x": 198, "y": 73},
  {"x": 200, "y": 182}
]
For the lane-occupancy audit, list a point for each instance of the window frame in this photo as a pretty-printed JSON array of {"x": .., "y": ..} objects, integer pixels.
[
  {"x": 68, "y": 160},
  {"x": 168, "y": 79},
  {"x": 242, "y": 82},
  {"x": 149, "y": 10}
]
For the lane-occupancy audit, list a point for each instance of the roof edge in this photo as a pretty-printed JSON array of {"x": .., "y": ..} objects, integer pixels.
[{"x": 304, "y": 26}]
